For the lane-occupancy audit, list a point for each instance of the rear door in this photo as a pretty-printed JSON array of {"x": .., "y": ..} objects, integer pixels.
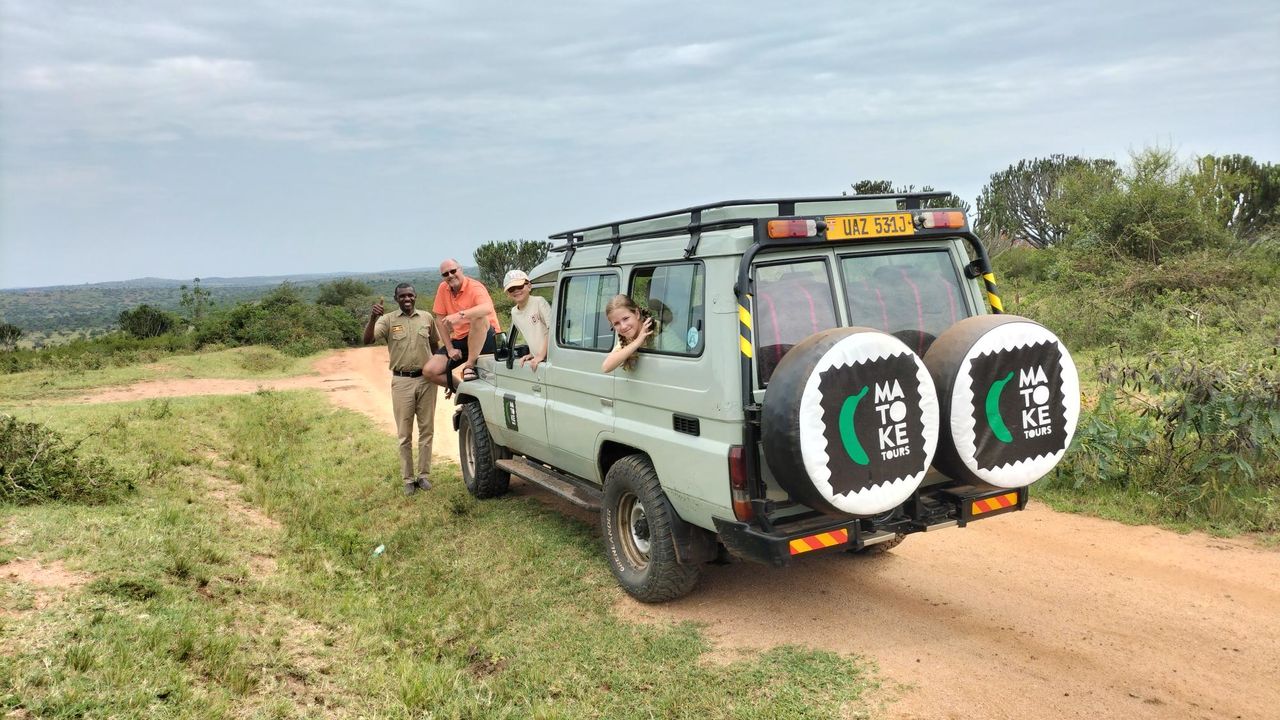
[{"x": 580, "y": 396}]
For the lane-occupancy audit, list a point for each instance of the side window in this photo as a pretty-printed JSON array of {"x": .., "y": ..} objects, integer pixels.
[
  {"x": 913, "y": 296},
  {"x": 673, "y": 294},
  {"x": 793, "y": 301},
  {"x": 581, "y": 322}
]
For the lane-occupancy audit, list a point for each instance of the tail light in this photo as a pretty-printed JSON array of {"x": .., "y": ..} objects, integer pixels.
[
  {"x": 738, "y": 484},
  {"x": 942, "y": 219},
  {"x": 795, "y": 228}
]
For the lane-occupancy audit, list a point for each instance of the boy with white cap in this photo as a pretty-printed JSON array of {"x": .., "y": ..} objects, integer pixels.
[{"x": 531, "y": 316}]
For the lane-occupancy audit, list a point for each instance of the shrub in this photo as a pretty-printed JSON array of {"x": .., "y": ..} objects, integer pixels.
[
  {"x": 1198, "y": 436},
  {"x": 37, "y": 465},
  {"x": 145, "y": 321}
]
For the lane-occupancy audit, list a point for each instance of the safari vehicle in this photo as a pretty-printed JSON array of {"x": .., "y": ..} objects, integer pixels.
[{"x": 827, "y": 376}]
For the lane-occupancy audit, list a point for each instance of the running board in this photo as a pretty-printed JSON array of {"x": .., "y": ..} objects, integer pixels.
[{"x": 576, "y": 491}]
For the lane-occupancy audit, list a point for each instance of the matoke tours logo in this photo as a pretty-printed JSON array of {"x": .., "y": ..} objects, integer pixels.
[
  {"x": 872, "y": 422},
  {"x": 1018, "y": 406}
]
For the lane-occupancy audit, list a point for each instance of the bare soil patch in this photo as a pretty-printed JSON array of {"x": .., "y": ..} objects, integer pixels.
[{"x": 48, "y": 583}]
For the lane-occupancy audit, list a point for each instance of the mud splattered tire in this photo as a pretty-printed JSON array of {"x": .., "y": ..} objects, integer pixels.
[
  {"x": 479, "y": 454},
  {"x": 636, "y": 519}
]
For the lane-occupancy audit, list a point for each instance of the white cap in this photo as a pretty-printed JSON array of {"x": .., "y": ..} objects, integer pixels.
[{"x": 514, "y": 279}]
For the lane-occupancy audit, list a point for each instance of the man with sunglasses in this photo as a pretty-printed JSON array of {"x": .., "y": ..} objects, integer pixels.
[
  {"x": 466, "y": 310},
  {"x": 412, "y": 337}
]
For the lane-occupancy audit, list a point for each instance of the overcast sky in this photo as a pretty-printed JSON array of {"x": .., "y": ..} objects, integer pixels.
[{"x": 264, "y": 137}]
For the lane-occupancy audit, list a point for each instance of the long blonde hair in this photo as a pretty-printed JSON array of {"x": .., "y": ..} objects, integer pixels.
[{"x": 624, "y": 302}]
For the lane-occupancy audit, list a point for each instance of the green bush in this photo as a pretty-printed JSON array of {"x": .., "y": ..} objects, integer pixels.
[
  {"x": 145, "y": 321},
  {"x": 37, "y": 465},
  {"x": 283, "y": 320},
  {"x": 111, "y": 350},
  {"x": 1197, "y": 436}
]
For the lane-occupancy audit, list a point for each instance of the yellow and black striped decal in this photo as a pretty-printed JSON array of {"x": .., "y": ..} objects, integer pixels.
[
  {"x": 999, "y": 502},
  {"x": 989, "y": 279},
  {"x": 819, "y": 541},
  {"x": 744, "y": 329}
]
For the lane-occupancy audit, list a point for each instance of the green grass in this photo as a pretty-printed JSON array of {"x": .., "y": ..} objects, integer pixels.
[
  {"x": 240, "y": 581},
  {"x": 245, "y": 362}
]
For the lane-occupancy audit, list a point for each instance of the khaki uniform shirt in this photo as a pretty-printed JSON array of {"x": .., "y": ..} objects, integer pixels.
[{"x": 410, "y": 338}]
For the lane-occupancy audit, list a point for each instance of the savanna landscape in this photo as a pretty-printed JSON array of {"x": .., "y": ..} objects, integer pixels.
[{"x": 200, "y": 516}]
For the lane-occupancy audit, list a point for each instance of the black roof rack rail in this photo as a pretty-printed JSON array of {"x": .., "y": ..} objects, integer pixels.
[{"x": 786, "y": 206}]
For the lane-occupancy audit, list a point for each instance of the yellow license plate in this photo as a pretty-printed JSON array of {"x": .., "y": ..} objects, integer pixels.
[{"x": 857, "y": 227}]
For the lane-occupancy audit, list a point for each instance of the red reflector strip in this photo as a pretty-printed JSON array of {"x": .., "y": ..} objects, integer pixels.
[
  {"x": 998, "y": 502},
  {"x": 819, "y": 541}
]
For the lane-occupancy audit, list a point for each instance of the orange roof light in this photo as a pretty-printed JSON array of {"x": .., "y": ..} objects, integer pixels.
[
  {"x": 942, "y": 219},
  {"x": 794, "y": 228}
]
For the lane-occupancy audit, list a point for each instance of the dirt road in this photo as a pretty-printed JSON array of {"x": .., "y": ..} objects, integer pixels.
[{"x": 1029, "y": 615}]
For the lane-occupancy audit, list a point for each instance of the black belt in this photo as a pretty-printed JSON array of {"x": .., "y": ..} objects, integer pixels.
[{"x": 407, "y": 373}]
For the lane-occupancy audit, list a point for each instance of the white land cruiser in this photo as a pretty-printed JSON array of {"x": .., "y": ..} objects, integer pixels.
[{"x": 827, "y": 377}]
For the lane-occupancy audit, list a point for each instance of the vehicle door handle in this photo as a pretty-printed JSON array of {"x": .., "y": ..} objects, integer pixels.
[
  {"x": 606, "y": 402},
  {"x": 537, "y": 388}
]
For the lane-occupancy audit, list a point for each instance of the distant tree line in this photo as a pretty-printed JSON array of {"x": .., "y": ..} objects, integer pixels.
[{"x": 1154, "y": 206}]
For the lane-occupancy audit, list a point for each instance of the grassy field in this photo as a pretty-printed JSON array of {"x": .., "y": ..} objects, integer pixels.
[
  {"x": 244, "y": 362},
  {"x": 244, "y": 579}
]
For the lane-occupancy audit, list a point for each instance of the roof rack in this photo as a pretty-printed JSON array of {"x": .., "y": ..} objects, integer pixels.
[{"x": 575, "y": 239}]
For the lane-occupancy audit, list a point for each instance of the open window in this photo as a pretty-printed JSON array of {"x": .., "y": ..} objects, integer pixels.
[{"x": 673, "y": 294}]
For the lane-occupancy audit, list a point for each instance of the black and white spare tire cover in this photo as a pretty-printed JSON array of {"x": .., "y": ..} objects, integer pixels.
[
  {"x": 1010, "y": 399},
  {"x": 850, "y": 421}
]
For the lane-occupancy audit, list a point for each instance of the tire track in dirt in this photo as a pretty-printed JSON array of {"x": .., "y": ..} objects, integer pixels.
[{"x": 1030, "y": 615}]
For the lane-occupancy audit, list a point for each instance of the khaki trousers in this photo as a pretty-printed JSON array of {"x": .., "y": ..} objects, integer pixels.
[{"x": 410, "y": 398}]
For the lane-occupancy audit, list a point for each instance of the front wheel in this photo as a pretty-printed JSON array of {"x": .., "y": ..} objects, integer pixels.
[
  {"x": 479, "y": 454},
  {"x": 637, "y": 519}
]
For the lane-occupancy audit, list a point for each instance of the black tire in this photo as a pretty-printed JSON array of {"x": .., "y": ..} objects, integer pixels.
[
  {"x": 830, "y": 450},
  {"x": 637, "y": 518},
  {"x": 880, "y": 548},
  {"x": 478, "y": 454}
]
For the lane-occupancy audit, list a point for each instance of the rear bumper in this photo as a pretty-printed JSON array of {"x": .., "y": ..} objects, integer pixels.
[{"x": 936, "y": 508}]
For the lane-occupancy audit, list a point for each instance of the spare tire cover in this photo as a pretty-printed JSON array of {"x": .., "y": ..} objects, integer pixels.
[
  {"x": 850, "y": 421},
  {"x": 1010, "y": 399}
]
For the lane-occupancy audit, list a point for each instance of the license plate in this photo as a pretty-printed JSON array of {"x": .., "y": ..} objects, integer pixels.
[{"x": 857, "y": 227}]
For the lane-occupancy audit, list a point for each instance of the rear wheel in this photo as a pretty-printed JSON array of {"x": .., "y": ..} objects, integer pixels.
[
  {"x": 637, "y": 519},
  {"x": 479, "y": 455}
]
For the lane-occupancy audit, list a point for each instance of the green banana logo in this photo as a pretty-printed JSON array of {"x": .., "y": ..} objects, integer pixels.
[
  {"x": 847, "y": 435},
  {"x": 993, "y": 409}
]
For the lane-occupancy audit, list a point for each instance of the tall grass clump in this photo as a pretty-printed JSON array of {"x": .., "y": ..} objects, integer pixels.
[{"x": 37, "y": 465}]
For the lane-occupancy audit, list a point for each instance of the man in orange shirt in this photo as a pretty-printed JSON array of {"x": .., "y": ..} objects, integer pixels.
[{"x": 464, "y": 307}]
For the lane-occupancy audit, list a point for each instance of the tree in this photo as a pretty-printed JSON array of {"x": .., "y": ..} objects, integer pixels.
[
  {"x": 1015, "y": 204},
  {"x": 495, "y": 258},
  {"x": 194, "y": 300},
  {"x": 1243, "y": 195},
  {"x": 337, "y": 292},
  {"x": 885, "y": 187},
  {"x": 9, "y": 335},
  {"x": 145, "y": 321},
  {"x": 1147, "y": 211}
]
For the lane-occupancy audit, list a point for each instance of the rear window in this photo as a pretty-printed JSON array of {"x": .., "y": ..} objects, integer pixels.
[
  {"x": 912, "y": 296},
  {"x": 793, "y": 301}
]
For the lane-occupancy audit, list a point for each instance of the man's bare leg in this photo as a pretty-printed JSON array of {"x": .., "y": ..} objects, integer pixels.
[
  {"x": 475, "y": 344},
  {"x": 435, "y": 369}
]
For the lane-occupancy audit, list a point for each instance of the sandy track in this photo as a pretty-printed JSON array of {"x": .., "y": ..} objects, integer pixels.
[{"x": 1029, "y": 615}]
